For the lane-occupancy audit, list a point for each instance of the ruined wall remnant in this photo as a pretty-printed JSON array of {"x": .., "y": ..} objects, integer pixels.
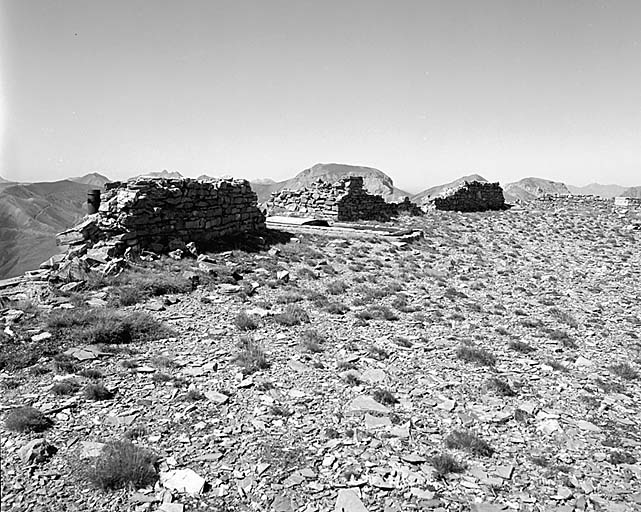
[
  {"x": 345, "y": 200},
  {"x": 471, "y": 196},
  {"x": 163, "y": 214}
]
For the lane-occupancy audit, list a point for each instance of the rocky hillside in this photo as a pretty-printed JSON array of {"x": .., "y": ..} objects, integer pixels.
[
  {"x": 427, "y": 194},
  {"x": 376, "y": 182},
  {"x": 596, "y": 189},
  {"x": 493, "y": 365},
  {"x": 30, "y": 216},
  {"x": 528, "y": 189},
  {"x": 632, "y": 192}
]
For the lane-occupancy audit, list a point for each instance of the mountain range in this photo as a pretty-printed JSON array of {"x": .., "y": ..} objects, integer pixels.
[{"x": 32, "y": 213}]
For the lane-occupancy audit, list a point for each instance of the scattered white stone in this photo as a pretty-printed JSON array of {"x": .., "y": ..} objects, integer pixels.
[
  {"x": 41, "y": 337},
  {"x": 216, "y": 397},
  {"x": 349, "y": 501},
  {"x": 548, "y": 426},
  {"x": 183, "y": 480},
  {"x": 586, "y": 425},
  {"x": 363, "y": 404},
  {"x": 91, "y": 449}
]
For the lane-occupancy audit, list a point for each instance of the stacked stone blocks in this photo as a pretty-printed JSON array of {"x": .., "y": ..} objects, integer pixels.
[
  {"x": 345, "y": 200},
  {"x": 164, "y": 214}
]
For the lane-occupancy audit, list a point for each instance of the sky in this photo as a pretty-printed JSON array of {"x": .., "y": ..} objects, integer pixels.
[{"x": 424, "y": 90}]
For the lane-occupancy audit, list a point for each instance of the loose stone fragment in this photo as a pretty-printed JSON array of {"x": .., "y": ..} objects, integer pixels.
[
  {"x": 183, "y": 480},
  {"x": 363, "y": 404},
  {"x": 349, "y": 501}
]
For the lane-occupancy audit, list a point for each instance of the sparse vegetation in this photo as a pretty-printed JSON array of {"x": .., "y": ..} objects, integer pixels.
[
  {"x": 97, "y": 392},
  {"x": 65, "y": 387},
  {"x": 445, "y": 463},
  {"x": 104, "y": 326},
  {"x": 292, "y": 315},
  {"x": 312, "y": 341},
  {"x": 500, "y": 386},
  {"x": 385, "y": 397},
  {"x": 123, "y": 464},
  {"x": 470, "y": 442},
  {"x": 252, "y": 356},
  {"x": 27, "y": 419},
  {"x": 520, "y": 346},
  {"x": 624, "y": 370},
  {"x": 247, "y": 322},
  {"x": 472, "y": 354}
]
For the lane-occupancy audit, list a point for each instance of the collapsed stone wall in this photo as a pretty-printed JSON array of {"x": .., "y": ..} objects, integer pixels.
[
  {"x": 345, "y": 200},
  {"x": 471, "y": 196},
  {"x": 165, "y": 214}
]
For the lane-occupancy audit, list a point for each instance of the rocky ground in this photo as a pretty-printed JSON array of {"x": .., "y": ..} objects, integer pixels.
[{"x": 492, "y": 365}]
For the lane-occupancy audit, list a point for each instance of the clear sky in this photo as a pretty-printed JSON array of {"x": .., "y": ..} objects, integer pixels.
[{"x": 424, "y": 90}]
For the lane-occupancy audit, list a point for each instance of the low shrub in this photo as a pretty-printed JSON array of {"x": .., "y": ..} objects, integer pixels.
[
  {"x": 247, "y": 322},
  {"x": 97, "y": 392},
  {"x": 292, "y": 315},
  {"x": 445, "y": 463},
  {"x": 252, "y": 356},
  {"x": 469, "y": 441},
  {"x": 27, "y": 419},
  {"x": 472, "y": 354},
  {"x": 123, "y": 464}
]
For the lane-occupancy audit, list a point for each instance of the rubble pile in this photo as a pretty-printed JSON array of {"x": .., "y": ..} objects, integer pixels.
[
  {"x": 166, "y": 214},
  {"x": 345, "y": 200},
  {"x": 470, "y": 196}
]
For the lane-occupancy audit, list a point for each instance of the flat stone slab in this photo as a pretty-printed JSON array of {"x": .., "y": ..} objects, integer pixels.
[{"x": 362, "y": 404}]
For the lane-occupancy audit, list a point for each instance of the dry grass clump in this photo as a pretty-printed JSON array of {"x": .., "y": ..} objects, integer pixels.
[
  {"x": 104, "y": 326},
  {"x": 336, "y": 308},
  {"x": 20, "y": 351},
  {"x": 292, "y": 315},
  {"x": 378, "y": 352},
  {"x": 470, "y": 442},
  {"x": 247, "y": 322},
  {"x": 385, "y": 397},
  {"x": 139, "y": 283},
  {"x": 472, "y": 354},
  {"x": 337, "y": 287},
  {"x": 27, "y": 419},
  {"x": 90, "y": 373},
  {"x": 520, "y": 346},
  {"x": 500, "y": 386},
  {"x": 312, "y": 341},
  {"x": 556, "y": 365},
  {"x": 563, "y": 317},
  {"x": 123, "y": 464},
  {"x": 65, "y": 387},
  {"x": 97, "y": 392},
  {"x": 377, "y": 312},
  {"x": 445, "y": 463},
  {"x": 252, "y": 356},
  {"x": 624, "y": 370},
  {"x": 352, "y": 378}
]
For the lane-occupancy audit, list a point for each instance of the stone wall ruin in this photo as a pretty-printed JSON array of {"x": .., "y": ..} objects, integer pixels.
[
  {"x": 165, "y": 214},
  {"x": 470, "y": 196},
  {"x": 345, "y": 200}
]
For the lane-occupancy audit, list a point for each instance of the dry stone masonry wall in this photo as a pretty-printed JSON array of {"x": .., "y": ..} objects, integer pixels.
[
  {"x": 471, "y": 196},
  {"x": 165, "y": 214},
  {"x": 345, "y": 200}
]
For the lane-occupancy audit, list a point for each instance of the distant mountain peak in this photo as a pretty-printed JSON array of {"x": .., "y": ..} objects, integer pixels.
[
  {"x": 263, "y": 181},
  {"x": 531, "y": 188},
  {"x": 596, "y": 189},
  {"x": 165, "y": 174},
  {"x": 93, "y": 178},
  {"x": 374, "y": 180},
  {"x": 427, "y": 194}
]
